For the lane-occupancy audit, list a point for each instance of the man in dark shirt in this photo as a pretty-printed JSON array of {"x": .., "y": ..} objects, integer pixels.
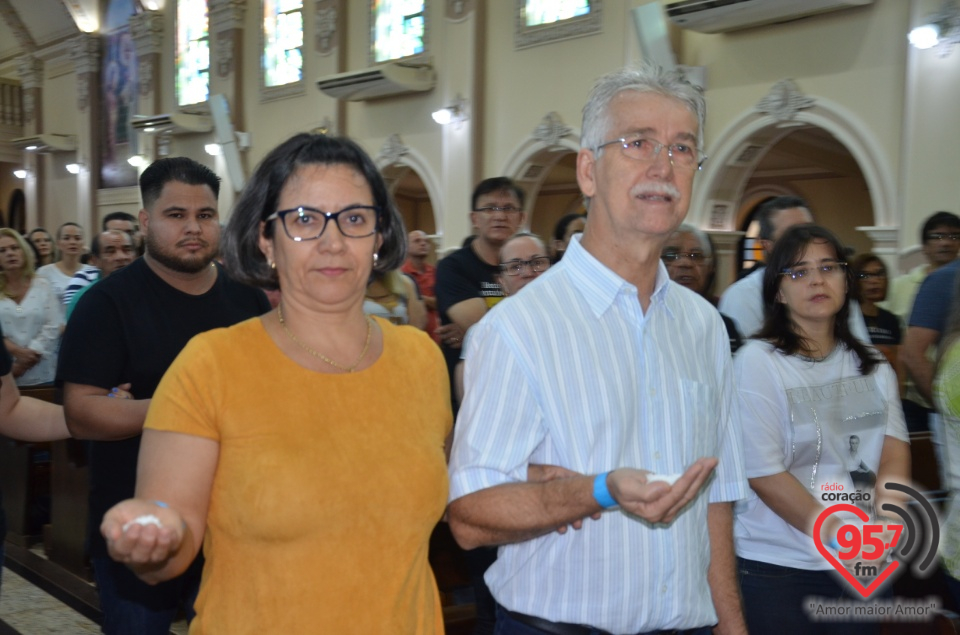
[
  {"x": 125, "y": 332},
  {"x": 467, "y": 284}
]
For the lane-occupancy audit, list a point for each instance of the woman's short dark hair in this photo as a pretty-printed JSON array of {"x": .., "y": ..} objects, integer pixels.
[
  {"x": 240, "y": 246},
  {"x": 777, "y": 326}
]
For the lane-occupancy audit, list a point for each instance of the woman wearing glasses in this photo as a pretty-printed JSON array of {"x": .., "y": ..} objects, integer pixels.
[
  {"x": 304, "y": 448},
  {"x": 807, "y": 387}
]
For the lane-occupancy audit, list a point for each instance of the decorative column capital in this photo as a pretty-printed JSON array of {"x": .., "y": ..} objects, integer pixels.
[
  {"x": 30, "y": 70},
  {"x": 147, "y": 31},
  {"x": 85, "y": 53},
  {"x": 226, "y": 15}
]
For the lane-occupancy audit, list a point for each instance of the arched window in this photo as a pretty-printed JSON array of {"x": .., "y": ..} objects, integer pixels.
[
  {"x": 193, "y": 52},
  {"x": 282, "y": 42},
  {"x": 398, "y": 29}
]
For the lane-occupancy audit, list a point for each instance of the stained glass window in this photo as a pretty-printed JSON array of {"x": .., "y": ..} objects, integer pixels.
[
  {"x": 538, "y": 12},
  {"x": 398, "y": 28},
  {"x": 282, "y": 42},
  {"x": 193, "y": 52}
]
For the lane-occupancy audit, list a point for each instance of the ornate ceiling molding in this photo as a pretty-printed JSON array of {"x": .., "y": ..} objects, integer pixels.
[
  {"x": 326, "y": 26},
  {"x": 30, "y": 71},
  {"x": 85, "y": 53},
  {"x": 147, "y": 31},
  {"x": 551, "y": 129},
  {"x": 392, "y": 151},
  {"x": 9, "y": 15},
  {"x": 784, "y": 101},
  {"x": 226, "y": 15}
]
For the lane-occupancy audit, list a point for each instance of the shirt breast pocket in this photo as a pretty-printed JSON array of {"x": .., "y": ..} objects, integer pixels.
[{"x": 698, "y": 409}]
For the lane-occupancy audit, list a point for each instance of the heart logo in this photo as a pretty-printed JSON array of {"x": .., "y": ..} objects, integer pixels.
[{"x": 865, "y": 591}]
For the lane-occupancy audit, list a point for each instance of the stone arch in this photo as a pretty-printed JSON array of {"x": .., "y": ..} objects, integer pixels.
[
  {"x": 537, "y": 154},
  {"x": 744, "y": 142},
  {"x": 396, "y": 158}
]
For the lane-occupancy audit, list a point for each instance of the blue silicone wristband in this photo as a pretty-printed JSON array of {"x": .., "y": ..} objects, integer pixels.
[
  {"x": 600, "y": 492},
  {"x": 160, "y": 504}
]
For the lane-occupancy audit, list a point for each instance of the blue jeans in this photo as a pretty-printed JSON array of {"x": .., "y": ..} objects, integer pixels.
[
  {"x": 506, "y": 625},
  {"x": 133, "y": 607},
  {"x": 774, "y": 597}
]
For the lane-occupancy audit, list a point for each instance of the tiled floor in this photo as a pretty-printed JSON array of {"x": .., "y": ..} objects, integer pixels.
[{"x": 31, "y": 611}]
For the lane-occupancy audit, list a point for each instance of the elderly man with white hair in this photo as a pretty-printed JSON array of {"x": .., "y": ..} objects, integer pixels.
[{"x": 606, "y": 369}]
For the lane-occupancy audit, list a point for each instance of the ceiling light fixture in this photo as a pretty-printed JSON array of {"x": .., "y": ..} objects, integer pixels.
[
  {"x": 941, "y": 30},
  {"x": 455, "y": 113},
  {"x": 73, "y": 168},
  {"x": 20, "y": 174}
]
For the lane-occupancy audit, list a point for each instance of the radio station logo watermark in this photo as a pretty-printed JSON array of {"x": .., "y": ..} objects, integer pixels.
[{"x": 867, "y": 554}]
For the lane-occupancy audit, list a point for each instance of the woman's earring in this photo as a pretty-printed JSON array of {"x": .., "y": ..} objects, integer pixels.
[
  {"x": 273, "y": 265},
  {"x": 376, "y": 257}
]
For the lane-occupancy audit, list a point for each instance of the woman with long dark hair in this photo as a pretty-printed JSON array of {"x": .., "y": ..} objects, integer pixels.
[{"x": 821, "y": 414}]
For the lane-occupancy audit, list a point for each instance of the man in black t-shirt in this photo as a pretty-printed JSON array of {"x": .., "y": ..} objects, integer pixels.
[
  {"x": 125, "y": 332},
  {"x": 467, "y": 284}
]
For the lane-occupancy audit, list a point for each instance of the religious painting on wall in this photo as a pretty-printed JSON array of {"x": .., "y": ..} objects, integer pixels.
[{"x": 118, "y": 85}]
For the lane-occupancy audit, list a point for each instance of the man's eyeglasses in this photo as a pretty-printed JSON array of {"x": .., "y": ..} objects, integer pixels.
[
  {"x": 827, "y": 269},
  {"x": 674, "y": 256},
  {"x": 867, "y": 275},
  {"x": 639, "y": 148},
  {"x": 307, "y": 223},
  {"x": 515, "y": 267},
  {"x": 939, "y": 236},
  {"x": 493, "y": 209}
]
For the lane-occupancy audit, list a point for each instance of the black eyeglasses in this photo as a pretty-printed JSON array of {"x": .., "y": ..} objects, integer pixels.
[
  {"x": 673, "y": 256},
  {"x": 827, "y": 269},
  {"x": 493, "y": 209},
  {"x": 307, "y": 223},
  {"x": 867, "y": 275},
  {"x": 940, "y": 236},
  {"x": 515, "y": 267}
]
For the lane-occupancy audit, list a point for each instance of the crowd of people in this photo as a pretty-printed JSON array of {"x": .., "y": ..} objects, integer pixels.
[{"x": 631, "y": 453}]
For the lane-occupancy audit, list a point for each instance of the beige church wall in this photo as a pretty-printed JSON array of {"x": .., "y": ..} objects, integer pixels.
[
  {"x": 853, "y": 59},
  {"x": 60, "y": 116},
  {"x": 840, "y": 205},
  {"x": 524, "y": 85},
  {"x": 271, "y": 122},
  {"x": 549, "y": 208},
  {"x": 932, "y": 127},
  {"x": 443, "y": 155},
  {"x": 8, "y": 183}
]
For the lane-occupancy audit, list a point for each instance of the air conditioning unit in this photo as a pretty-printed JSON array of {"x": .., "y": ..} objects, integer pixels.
[
  {"x": 46, "y": 143},
  {"x": 392, "y": 78},
  {"x": 717, "y": 16},
  {"x": 174, "y": 123}
]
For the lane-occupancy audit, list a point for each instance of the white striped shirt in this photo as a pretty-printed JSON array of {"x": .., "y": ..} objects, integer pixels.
[{"x": 572, "y": 373}]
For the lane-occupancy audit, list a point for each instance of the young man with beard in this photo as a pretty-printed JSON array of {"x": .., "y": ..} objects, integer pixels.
[{"x": 125, "y": 332}]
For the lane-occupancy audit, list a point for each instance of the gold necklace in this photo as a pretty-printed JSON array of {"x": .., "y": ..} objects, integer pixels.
[{"x": 321, "y": 356}]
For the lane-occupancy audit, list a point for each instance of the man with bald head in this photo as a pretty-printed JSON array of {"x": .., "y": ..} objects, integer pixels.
[
  {"x": 424, "y": 274},
  {"x": 110, "y": 251}
]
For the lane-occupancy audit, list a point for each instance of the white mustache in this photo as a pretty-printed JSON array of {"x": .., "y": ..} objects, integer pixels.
[{"x": 654, "y": 189}]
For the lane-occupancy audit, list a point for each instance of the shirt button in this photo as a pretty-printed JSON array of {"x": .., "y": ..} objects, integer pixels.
[
  {"x": 663, "y": 589},
  {"x": 653, "y": 392},
  {"x": 656, "y": 455}
]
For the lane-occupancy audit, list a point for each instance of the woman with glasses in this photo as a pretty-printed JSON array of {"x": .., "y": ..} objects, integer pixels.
[
  {"x": 304, "y": 448},
  {"x": 883, "y": 326},
  {"x": 811, "y": 397}
]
